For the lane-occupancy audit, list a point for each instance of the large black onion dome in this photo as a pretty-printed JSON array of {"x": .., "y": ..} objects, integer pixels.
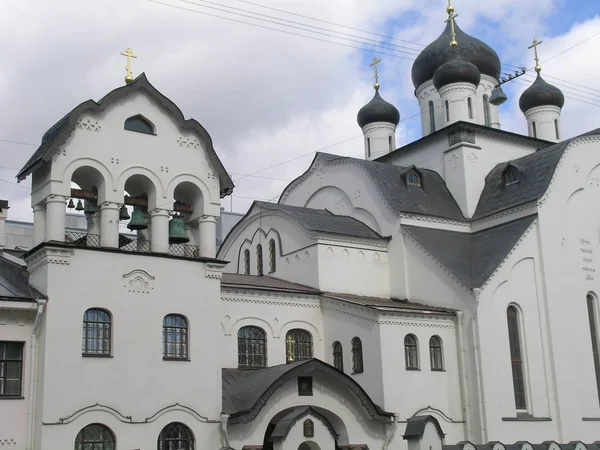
[
  {"x": 377, "y": 110},
  {"x": 541, "y": 93},
  {"x": 456, "y": 70},
  {"x": 439, "y": 51}
]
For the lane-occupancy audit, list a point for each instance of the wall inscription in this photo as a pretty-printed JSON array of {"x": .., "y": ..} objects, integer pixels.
[{"x": 587, "y": 258}]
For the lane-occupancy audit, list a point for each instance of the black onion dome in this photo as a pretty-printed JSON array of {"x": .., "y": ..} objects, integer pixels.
[
  {"x": 439, "y": 51},
  {"x": 541, "y": 93},
  {"x": 377, "y": 110},
  {"x": 456, "y": 70}
]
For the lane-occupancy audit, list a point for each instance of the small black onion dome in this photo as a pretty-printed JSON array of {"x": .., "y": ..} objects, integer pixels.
[
  {"x": 541, "y": 93},
  {"x": 457, "y": 70},
  {"x": 377, "y": 110},
  {"x": 439, "y": 51}
]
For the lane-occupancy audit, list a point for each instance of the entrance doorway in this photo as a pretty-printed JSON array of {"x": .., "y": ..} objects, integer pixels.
[{"x": 309, "y": 445}]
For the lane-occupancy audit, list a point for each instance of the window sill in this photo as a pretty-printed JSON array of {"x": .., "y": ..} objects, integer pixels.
[
  {"x": 526, "y": 418},
  {"x": 590, "y": 419},
  {"x": 11, "y": 397},
  {"x": 167, "y": 358},
  {"x": 93, "y": 355},
  {"x": 357, "y": 373},
  {"x": 438, "y": 370},
  {"x": 413, "y": 369}
]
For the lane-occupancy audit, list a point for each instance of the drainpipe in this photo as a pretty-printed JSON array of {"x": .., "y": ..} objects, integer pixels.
[
  {"x": 33, "y": 358},
  {"x": 388, "y": 438},
  {"x": 224, "y": 431},
  {"x": 478, "y": 375},
  {"x": 466, "y": 406}
]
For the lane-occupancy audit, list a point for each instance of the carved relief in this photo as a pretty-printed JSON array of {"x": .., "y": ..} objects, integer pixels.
[
  {"x": 138, "y": 281},
  {"x": 88, "y": 125},
  {"x": 8, "y": 443},
  {"x": 114, "y": 160},
  {"x": 345, "y": 254},
  {"x": 461, "y": 135},
  {"x": 376, "y": 257},
  {"x": 472, "y": 158},
  {"x": 188, "y": 142},
  {"x": 361, "y": 255}
]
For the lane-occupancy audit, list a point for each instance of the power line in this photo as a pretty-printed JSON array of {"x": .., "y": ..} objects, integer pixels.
[
  {"x": 18, "y": 185},
  {"x": 568, "y": 90},
  {"x": 18, "y": 142},
  {"x": 567, "y": 96}
]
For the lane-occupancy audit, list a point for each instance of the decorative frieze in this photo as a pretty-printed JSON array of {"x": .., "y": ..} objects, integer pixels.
[
  {"x": 188, "y": 142},
  {"x": 138, "y": 281},
  {"x": 463, "y": 134},
  {"x": 48, "y": 255},
  {"x": 88, "y": 125}
]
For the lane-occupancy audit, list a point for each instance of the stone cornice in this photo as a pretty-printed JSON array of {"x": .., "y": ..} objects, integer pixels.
[{"x": 48, "y": 255}]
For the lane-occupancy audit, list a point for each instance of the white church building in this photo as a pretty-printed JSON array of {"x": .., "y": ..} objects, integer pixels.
[{"x": 441, "y": 295}]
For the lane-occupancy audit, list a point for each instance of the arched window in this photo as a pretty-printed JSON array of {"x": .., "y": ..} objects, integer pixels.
[
  {"x": 514, "y": 340},
  {"x": 140, "y": 124},
  {"x": 357, "y": 355},
  {"x": 556, "y": 129},
  {"x": 259, "y": 260},
  {"x": 431, "y": 116},
  {"x": 592, "y": 307},
  {"x": 368, "y": 147},
  {"x": 95, "y": 437},
  {"x": 413, "y": 178},
  {"x": 338, "y": 356},
  {"x": 298, "y": 345},
  {"x": 486, "y": 111},
  {"x": 176, "y": 436},
  {"x": 175, "y": 337},
  {"x": 447, "y": 111},
  {"x": 411, "y": 352},
  {"x": 435, "y": 353},
  {"x": 252, "y": 348},
  {"x": 534, "y": 129},
  {"x": 246, "y": 262},
  {"x": 308, "y": 427},
  {"x": 390, "y": 143},
  {"x": 97, "y": 335},
  {"x": 470, "y": 107},
  {"x": 272, "y": 260}
]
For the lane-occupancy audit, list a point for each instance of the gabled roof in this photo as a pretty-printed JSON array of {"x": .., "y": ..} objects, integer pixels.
[
  {"x": 264, "y": 282},
  {"x": 58, "y": 133},
  {"x": 387, "y": 304},
  {"x": 471, "y": 257},
  {"x": 14, "y": 282},
  {"x": 535, "y": 173},
  {"x": 432, "y": 198},
  {"x": 415, "y": 427}
]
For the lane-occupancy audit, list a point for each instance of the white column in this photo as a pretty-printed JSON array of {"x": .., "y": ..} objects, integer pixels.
[
  {"x": 39, "y": 224},
  {"x": 208, "y": 236},
  {"x": 144, "y": 236},
  {"x": 193, "y": 231},
  {"x": 55, "y": 218},
  {"x": 109, "y": 224},
  {"x": 380, "y": 139},
  {"x": 159, "y": 231},
  {"x": 93, "y": 229},
  {"x": 457, "y": 95},
  {"x": 543, "y": 122}
]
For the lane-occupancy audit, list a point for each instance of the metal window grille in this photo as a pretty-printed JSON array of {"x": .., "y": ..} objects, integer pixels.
[
  {"x": 11, "y": 368},
  {"x": 175, "y": 337},
  {"x": 301, "y": 345},
  {"x": 96, "y": 339},
  {"x": 591, "y": 303},
  {"x": 357, "y": 356},
  {"x": 259, "y": 260},
  {"x": 95, "y": 437},
  {"x": 435, "y": 353},
  {"x": 252, "y": 348},
  {"x": 514, "y": 341},
  {"x": 272, "y": 261},
  {"x": 176, "y": 436},
  {"x": 246, "y": 262},
  {"x": 411, "y": 352},
  {"x": 338, "y": 356}
]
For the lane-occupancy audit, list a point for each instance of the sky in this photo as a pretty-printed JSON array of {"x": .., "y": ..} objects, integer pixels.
[{"x": 270, "y": 98}]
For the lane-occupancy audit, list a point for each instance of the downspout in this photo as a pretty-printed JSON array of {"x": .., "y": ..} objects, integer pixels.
[
  {"x": 224, "y": 430},
  {"x": 390, "y": 435},
  {"x": 466, "y": 406},
  {"x": 33, "y": 358},
  {"x": 478, "y": 375}
]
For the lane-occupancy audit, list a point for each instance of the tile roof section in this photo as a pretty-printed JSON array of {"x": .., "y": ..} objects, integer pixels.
[
  {"x": 471, "y": 258},
  {"x": 415, "y": 427},
  {"x": 14, "y": 282},
  {"x": 387, "y": 303},
  {"x": 264, "y": 282}
]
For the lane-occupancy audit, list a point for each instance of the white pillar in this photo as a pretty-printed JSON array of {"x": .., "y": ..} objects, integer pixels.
[
  {"x": 455, "y": 103},
  {"x": 159, "y": 231},
  {"x": 109, "y": 224},
  {"x": 55, "y": 218},
  {"x": 193, "y": 231},
  {"x": 39, "y": 224},
  {"x": 543, "y": 122},
  {"x": 208, "y": 236}
]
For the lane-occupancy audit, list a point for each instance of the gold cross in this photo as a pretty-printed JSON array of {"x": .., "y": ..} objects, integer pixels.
[
  {"x": 290, "y": 348},
  {"x": 129, "y": 54},
  {"x": 534, "y": 46},
  {"x": 374, "y": 65},
  {"x": 451, "y": 17}
]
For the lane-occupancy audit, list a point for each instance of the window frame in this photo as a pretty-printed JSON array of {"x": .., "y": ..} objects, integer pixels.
[
  {"x": 338, "y": 355},
  {"x": 411, "y": 347},
  {"x": 515, "y": 342},
  {"x": 413, "y": 178},
  {"x": 81, "y": 443},
  {"x": 436, "y": 365},
  {"x": 162, "y": 443},
  {"x": 106, "y": 330},
  {"x": 357, "y": 356},
  {"x": 4, "y": 362},
  {"x": 138, "y": 118},
  {"x": 182, "y": 332},
  {"x": 249, "y": 343},
  {"x": 299, "y": 347},
  {"x": 511, "y": 176}
]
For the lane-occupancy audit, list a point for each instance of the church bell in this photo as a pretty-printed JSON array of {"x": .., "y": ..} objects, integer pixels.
[
  {"x": 71, "y": 205},
  {"x": 498, "y": 96},
  {"x": 123, "y": 214},
  {"x": 177, "y": 234},
  {"x": 90, "y": 208},
  {"x": 138, "y": 221},
  {"x": 79, "y": 206}
]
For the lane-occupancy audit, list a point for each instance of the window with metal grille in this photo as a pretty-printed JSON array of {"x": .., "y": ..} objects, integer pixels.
[
  {"x": 299, "y": 346},
  {"x": 252, "y": 348},
  {"x": 592, "y": 307},
  {"x": 97, "y": 333},
  {"x": 247, "y": 262},
  {"x": 259, "y": 260},
  {"x": 95, "y": 437},
  {"x": 514, "y": 340},
  {"x": 436, "y": 356},
  {"x": 11, "y": 368},
  {"x": 175, "y": 337},
  {"x": 413, "y": 178},
  {"x": 176, "y": 436},
  {"x": 486, "y": 111},
  {"x": 411, "y": 352},
  {"x": 357, "y": 355},
  {"x": 140, "y": 124},
  {"x": 431, "y": 116},
  {"x": 272, "y": 260},
  {"x": 338, "y": 356}
]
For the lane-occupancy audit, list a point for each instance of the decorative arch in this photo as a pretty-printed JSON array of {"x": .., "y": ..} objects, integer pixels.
[
  {"x": 287, "y": 326},
  {"x": 204, "y": 189},
  {"x": 97, "y": 435},
  {"x": 100, "y": 168},
  {"x": 140, "y": 170},
  {"x": 249, "y": 321}
]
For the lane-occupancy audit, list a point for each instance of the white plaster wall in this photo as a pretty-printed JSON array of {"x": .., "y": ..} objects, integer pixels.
[
  {"x": 544, "y": 117},
  {"x": 457, "y": 95},
  {"x": 380, "y": 138}
]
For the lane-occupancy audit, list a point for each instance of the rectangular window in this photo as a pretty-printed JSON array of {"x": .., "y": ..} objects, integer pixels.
[
  {"x": 305, "y": 386},
  {"x": 594, "y": 334},
  {"x": 11, "y": 368},
  {"x": 514, "y": 342}
]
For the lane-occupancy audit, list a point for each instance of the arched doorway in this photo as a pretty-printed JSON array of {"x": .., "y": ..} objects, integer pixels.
[{"x": 309, "y": 445}]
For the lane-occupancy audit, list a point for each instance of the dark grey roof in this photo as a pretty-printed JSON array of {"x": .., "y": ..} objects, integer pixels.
[
  {"x": 61, "y": 130},
  {"x": 535, "y": 173},
  {"x": 439, "y": 51},
  {"x": 471, "y": 257},
  {"x": 321, "y": 220},
  {"x": 519, "y": 445},
  {"x": 541, "y": 93},
  {"x": 377, "y": 110},
  {"x": 265, "y": 283},
  {"x": 245, "y": 392},
  {"x": 456, "y": 70},
  {"x": 14, "y": 282},
  {"x": 285, "y": 424},
  {"x": 387, "y": 303},
  {"x": 415, "y": 427}
]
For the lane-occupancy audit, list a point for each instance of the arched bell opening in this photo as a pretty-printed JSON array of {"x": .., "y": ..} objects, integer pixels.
[
  {"x": 139, "y": 200},
  {"x": 188, "y": 206}
]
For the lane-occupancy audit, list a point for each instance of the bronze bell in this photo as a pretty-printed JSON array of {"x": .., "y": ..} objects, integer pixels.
[
  {"x": 177, "y": 234},
  {"x": 138, "y": 221},
  {"x": 123, "y": 214},
  {"x": 90, "y": 207},
  {"x": 71, "y": 205},
  {"x": 498, "y": 96},
  {"x": 79, "y": 206}
]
